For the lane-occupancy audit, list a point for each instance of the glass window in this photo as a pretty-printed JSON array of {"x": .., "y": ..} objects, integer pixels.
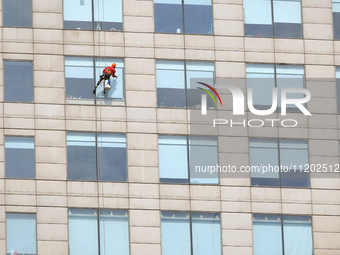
[
  {"x": 78, "y": 14},
  {"x": 17, "y": 13},
  {"x": 338, "y": 86},
  {"x": 81, "y": 156},
  {"x": 178, "y": 238},
  {"x": 267, "y": 234},
  {"x": 19, "y": 157},
  {"x": 286, "y": 17},
  {"x": 112, "y": 159},
  {"x": 206, "y": 146},
  {"x": 296, "y": 230},
  {"x": 175, "y": 227},
  {"x": 18, "y": 78},
  {"x": 170, "y": 83},
  {"x": 107, "y": 15},
  {"x": 198, "y": 17},
  {"x": 173, "y": 159},
  {"x": 21, "y": 233},
  {"x": 195, "y": 72},
  {"x": 79, "y": 81},
  {"x": 206, "y": 233},
  {"x": 258, "y": 18},
  {"x": 168, "y": 16},
  {"x": 264, "y": 152},
  {"x": 116, "y": 94},
  {"x": 336, "y": 18},
  {"x": 292, "y": 155},
  {"x": 262, "y": 78},
  {"x": 83, "y": 231},
  {"x": 114, "y": 232},
  {"x": 298, "y": 235},
  {"x": 175, "y": 79},
  {"x": 289, "y": 76}
]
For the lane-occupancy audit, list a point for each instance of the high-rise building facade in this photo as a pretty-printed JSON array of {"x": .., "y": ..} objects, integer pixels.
[{"x": 85, "y": 174}]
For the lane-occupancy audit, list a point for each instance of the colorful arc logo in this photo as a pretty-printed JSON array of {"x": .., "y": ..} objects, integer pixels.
[{"x": 208, "y": 92}]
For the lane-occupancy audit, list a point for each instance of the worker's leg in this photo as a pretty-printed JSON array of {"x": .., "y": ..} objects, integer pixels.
[{"x": 100, "y": 80}]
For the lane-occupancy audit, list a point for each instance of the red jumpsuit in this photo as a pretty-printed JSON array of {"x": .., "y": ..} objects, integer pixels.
[{"x": 109, "y": 70}]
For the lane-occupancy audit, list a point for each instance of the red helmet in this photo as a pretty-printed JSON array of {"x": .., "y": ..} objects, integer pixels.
[{"x": 114, "y": 65}]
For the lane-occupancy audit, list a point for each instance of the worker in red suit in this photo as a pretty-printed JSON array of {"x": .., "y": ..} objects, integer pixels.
[{"x": 107, "y": 73}]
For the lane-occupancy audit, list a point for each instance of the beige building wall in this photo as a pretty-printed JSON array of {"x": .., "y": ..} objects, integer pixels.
[{"x": 48, "y": 119}]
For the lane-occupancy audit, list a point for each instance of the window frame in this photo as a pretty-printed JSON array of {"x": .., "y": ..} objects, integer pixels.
[
  {"x": 35, "y": 163},
  {"x": 97, "y": 211},
  {"x": 95, "y": 98},
  {"x": 36, "y": 228},
  {"x": 282, "y": 226},
  {"x": 188, "y": 161},
  {"x": 272, "y": 24},
  {"x": 97, "y": 158},
  {"x": 93, "y": 21},
  {"x": 278, "y": 108},
  {"x": 277, "y": 140},
  {"x": 30, "y": 27},
  {"x": 183, "y": 22},
  {"x": 187, "y": 106},
  {"x": 190, "y": 222}
]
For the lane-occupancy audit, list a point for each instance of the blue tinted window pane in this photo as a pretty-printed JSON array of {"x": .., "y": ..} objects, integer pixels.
[
  {"x": 170, "y": 83},
  {"x": 19, "y": 157},
  {"x": 83, "y": 231},
  {"x": 261, "y": 78},
  {"x": 112, "y": 158},
  {"x": 108, "y": 15},
  {"x": 18, "y": 78},
  {"x": 79, "y": 82},
  {"x": 290, "y": 76},
  {"x": 206, "y": 233},
  {"x": 21, "y": 233},
  {"x": 17, "y": 13},
  {"x": 175, "y": 227},
  {"x": 298, "y": 235},
  {"x": 198, "y": 17},
  {"x": 116, "y": 94},
  {"x": 294, "y": 152},
  {"x": 258, "y": 18},
  {"x": 287, "y": 18},
  {"x": 267, "y": 235},
  {"x": 168, "y": 16},
  {"x": 81, "y": 156},
  {"x": 206, "y": 146},
  {"x": 264, "y": 152},
  {"x": 173, "y": 158},
  {"x": 78, "y": 14},
  {"x": 336, "y": 18},
  {"x": 114, "y": 232},
  {"x": 338, "y": 87},
  {"x": 198, "y": 72}
]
